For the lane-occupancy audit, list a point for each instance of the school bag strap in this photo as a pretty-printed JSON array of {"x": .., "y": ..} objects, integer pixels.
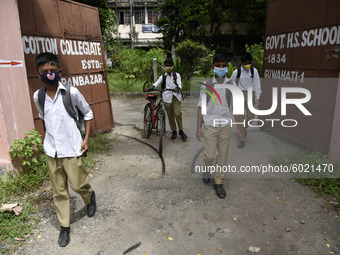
[
  {"x": 68, "y": 104},
  {"x": 175, "y": 81},
  {"x": 238, "y": 75},
  {"x": 41, "y": 99},
  {"x": 67, "y": 100},
  {"x": 228, "y": 92}
]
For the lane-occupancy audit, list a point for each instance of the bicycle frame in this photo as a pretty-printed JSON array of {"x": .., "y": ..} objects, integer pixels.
[{"x": 155, "y": 110}]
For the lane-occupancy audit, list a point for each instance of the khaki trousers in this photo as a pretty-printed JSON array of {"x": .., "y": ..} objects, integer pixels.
[
  {"x": 247, "y": 116},
  {"x": 72, "y": 170},
  {"x": 216, "y": 146},
  {"x": 173, "y": 110}
]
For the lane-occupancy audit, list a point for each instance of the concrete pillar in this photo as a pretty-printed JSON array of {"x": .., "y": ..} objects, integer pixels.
[
  {"x": 15, "y": 106},
  {"x": 154, "y": 65}
]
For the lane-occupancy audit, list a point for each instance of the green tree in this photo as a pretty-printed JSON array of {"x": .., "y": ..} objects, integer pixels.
[
  {"x": 190, "y": 54},
  {"x": 256, "y": 50},
  {"x": 201, "y": 20}
]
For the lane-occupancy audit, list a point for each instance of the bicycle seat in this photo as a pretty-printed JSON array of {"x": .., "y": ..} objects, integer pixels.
[{"x": 151, "y": 97}]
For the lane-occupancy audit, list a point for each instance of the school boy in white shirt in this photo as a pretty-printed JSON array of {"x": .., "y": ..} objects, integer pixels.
[{"x": 63, "y": 142}]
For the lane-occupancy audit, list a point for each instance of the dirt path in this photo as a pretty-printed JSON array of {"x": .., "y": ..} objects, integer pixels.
[{"x": 177, "y": 213}]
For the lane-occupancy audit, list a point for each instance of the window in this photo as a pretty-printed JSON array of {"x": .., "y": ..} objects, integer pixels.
[
  {"x": 152, "y": 16},
  {"x": 124, "y": 17},
  {"x": 139, "y": 17}
]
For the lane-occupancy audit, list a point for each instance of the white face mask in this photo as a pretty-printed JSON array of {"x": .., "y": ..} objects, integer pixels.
[
  {"x": 168, "y": 69},
  {"x": 220, "y": 72}
]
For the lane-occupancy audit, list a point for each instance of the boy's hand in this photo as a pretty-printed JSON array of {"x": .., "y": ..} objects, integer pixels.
[
  {"x": 146, "y": 90},
  {"x": 199, "y": 134},
  {"x": 176, "y": 89},
  {"x": 238, "y": 134},
  {"x": 84, "y": 146}
]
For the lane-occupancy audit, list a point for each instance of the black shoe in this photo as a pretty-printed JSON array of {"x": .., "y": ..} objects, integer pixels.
[
  {"x": 184, "y": 136},
  {"x": 174, "y": 135},
  {"x": 64, "y": 236},
  {"x": 220, "y": 192},
  {"x": 92, "y": 206},
  {"x": 240, "y": 144},
  {"x": 206, "y": 177}
]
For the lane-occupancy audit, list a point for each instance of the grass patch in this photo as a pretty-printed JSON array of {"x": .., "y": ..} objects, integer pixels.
[
  {"x": 119, "y": 82},
  {"x": 17, "y": 226},
  {"x": 321, "y": 175}
]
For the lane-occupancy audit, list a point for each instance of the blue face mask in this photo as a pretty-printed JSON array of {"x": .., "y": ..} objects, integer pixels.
[
  {"x": 50, "y": 78},
  {"x": 220, "y": 72}
]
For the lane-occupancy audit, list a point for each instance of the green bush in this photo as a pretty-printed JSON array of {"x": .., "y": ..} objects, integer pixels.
[
  {"x": 28, "y": 154},
  {"x": 132, "y": 67},
  {"x": 190, "y": 54}
]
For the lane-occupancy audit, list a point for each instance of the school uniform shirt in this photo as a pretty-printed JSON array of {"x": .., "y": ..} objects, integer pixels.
[
  {"x": 62, "y": 137},
  {"x": 170, "y": 84},
  {"x": 246, "y": 81},
  {"x": 218, "y": 111}
]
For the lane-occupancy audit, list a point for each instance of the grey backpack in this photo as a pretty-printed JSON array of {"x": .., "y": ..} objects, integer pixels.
[{"x": 67, "y": 100}]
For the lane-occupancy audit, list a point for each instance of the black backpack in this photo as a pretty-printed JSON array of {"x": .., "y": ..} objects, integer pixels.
[
  {"x": 175, "y": 81},
  {"x": 239, "y": 74},
  {"x": 67, "y": 100},
  {"x": 164, "y": 81}
]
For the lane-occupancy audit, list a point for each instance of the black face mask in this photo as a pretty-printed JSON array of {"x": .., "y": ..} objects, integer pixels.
[{"x": 50, "y": 78}]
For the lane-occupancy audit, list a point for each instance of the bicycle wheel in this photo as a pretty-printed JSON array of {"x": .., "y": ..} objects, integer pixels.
[
  {"x": 147, "y": 120},
  {"x": 161, "y": 123}
]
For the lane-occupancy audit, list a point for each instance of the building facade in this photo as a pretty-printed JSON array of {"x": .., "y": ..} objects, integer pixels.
[{"x": 135, "y": 21}]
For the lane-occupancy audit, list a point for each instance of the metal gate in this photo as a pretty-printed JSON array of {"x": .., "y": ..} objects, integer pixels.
[{"x": 71, "y": 31}]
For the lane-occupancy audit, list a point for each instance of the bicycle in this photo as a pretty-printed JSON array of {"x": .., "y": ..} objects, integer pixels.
[{"x": 154, "y": 116}]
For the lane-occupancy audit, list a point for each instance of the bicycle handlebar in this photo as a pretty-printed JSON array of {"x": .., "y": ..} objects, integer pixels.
[{"x": 155, "y": 89}]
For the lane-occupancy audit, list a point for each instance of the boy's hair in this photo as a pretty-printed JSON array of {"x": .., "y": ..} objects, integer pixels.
[
  {"x": 169, "y": 61},
  {"x": 220, "y": 57},
  {"x": 46, "y": 57},
  {"x": 246, "y": 57}
]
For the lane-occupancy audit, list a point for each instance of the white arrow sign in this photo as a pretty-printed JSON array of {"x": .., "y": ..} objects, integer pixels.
[{"x": 11, "y": 63}]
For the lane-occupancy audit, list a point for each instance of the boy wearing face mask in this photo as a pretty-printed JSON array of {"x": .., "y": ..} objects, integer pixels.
[
  {"x": 63, "y": 143},
  {"x": 172, "y": 99},
  {"x": 247, "y": 77},
  {"x": 216, "y": 135}
]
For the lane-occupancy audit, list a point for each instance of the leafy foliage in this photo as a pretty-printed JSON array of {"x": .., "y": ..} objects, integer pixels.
[
  {"x": 190, "y": 54},
  {"x": 133, "y": 66},
  {"x": 256, "y": 50},
  {"x": 29, "y": 150},
  {"x": 201, "y": 20},
  {"x": 28, "y": 154}
]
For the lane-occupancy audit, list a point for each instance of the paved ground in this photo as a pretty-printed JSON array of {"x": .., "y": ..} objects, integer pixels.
[{"x": 177, "y": 213}]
